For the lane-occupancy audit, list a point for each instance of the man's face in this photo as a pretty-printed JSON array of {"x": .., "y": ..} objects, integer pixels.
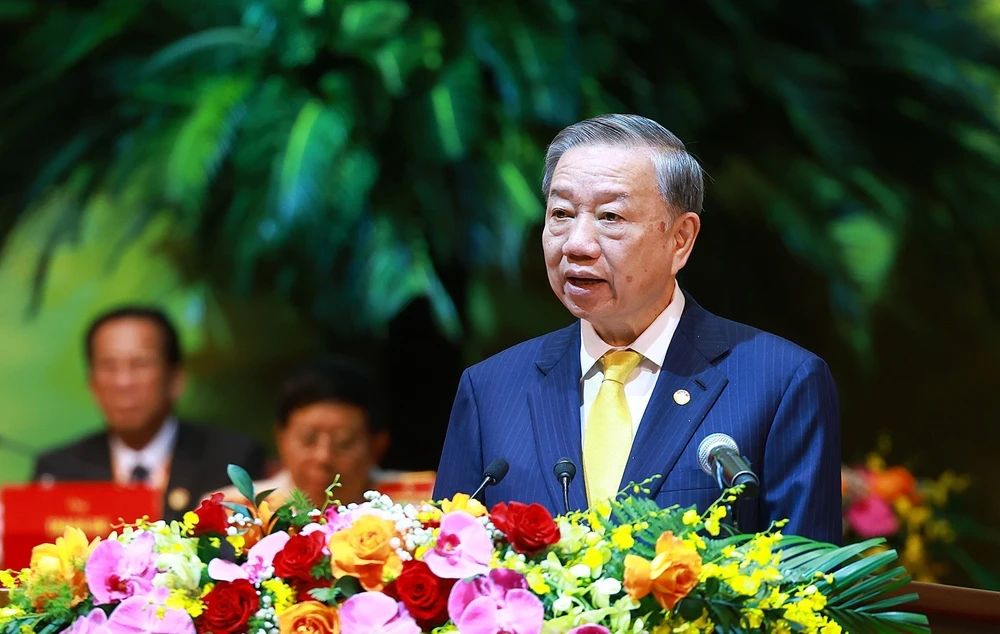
[
  {"x": 611, "y": 246},
  {"x": 129, "y": 376},
  {"x": 322, "y": 440}
]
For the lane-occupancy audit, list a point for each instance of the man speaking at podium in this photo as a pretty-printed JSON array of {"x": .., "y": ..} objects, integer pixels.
[
  {"x": 632, "y": 388},
  {"x": 135, "y": 373}
]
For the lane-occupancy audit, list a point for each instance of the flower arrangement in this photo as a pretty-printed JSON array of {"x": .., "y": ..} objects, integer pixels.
[
  {"x": 627, "y": 566},
  {"x": 920, "y": 518}
]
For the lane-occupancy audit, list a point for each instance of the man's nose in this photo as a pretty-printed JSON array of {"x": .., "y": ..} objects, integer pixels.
[{"x": 581, "y": 240}]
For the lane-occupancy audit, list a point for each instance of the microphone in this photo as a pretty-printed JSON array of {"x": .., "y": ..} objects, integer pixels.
[
  {"x": 719, "y": 456},
  {"x": 494, "y": 473},
  {"x": 565, "y": 471}
]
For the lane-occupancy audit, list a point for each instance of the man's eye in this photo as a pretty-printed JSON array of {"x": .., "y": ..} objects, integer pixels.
[
  {"x": 610, "y": 216},
  {"x": 559, "y": 213}
]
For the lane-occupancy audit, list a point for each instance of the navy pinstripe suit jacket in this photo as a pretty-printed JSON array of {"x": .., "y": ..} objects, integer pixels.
[{"x": 777, "y": 400}]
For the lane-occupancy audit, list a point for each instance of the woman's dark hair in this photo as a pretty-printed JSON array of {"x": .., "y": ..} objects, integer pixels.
[{"x": 330, "y": 379}]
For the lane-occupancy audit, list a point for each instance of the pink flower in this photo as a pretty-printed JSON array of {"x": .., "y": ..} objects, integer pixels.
[
  {"x": 94, "y": 623},
  {"x": 259, "y": 559},
  {"x": 872, "y": 517},
  {"x": 589, "y": 628},
  {"x": 500, "y": 602},
  {"x": 115, "y": 572},
  {"x": 463, "y": 548},
  {"x": 148, "y": 615},
  {"x": 375, "y": 613}
]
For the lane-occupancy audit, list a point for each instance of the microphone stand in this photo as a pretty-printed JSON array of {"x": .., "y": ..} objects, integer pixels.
[{"x": 732, "y": 509}]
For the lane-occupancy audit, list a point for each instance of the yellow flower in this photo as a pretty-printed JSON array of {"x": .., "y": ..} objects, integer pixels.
[
  {"x": 462, "y": 502},
  {"x": 536, "y": 581},
  {"x": 64, "y": 560},
  {"x": 712, "y": 522},
  {"x": 180, "y": 600},
  {"x": 695, "y": 541},
  {"x": 690, "y": 517},
  {"x": 9, "y": 578},
  {"x": 237, "y": 542},
  {"x": 593, "y": 558},
  {"x": 745, "y": 585},
  {"x": 189, "y": 521},
  {"x": 621, "y": 537},
  {"x": 284, "y": 596}
]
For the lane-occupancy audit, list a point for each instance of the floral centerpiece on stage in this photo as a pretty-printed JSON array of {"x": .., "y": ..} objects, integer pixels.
[
  {"x": 922, "y": 518},
  {"x": 452, "y": 566}
]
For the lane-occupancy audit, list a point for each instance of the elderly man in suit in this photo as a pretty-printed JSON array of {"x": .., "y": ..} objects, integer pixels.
[
  {"x": 630, "y": 389},
  {"x": 135, "y": 374}
]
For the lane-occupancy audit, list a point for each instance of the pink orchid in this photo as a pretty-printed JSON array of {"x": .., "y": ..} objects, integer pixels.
[
  {"x": 115, "y": 572},
  {"x": 94, "y": 623},
  {"x": 500, "y": 602},
  {"x": 259, "y": 559},
  {"x": 463, "y": 549},
  {"x": 872, "y": 517},
  {"x": 375, "y": 613},
  {"x": 589, "y": 628},
  {"x": 148, "y": 615}
]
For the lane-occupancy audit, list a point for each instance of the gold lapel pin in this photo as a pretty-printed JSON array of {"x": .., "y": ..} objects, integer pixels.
[
  {"x": 178, "y": 499},
  {"x": 682, "y": 397}
]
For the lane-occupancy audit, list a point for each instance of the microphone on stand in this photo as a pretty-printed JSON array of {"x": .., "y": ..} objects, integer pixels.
[
  {"x": 719, "y": 457},
  {"x": 494, "y": 473},
  {"x": 565, "y": 471}
]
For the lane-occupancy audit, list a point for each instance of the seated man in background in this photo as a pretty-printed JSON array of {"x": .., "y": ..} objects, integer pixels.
[
  {"x": 329, "y": 424},
  {"x": 135, "y": 373}
]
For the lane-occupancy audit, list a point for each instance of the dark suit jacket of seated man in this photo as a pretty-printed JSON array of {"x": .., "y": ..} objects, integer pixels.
[
  {"x": 198, "y": 463},
  {"x": 775, "y": 399}
]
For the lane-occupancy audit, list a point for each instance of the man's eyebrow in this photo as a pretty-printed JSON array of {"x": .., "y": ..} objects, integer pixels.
[{"x": 618, "y": 195}]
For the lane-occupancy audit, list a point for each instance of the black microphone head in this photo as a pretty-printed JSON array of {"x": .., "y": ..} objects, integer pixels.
[
  {"x": 496, "y": 471},
  {"x": 565, "y": 469}
]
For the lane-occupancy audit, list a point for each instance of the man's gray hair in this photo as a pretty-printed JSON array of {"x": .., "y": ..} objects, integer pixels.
[{"x": 678, "y": 175}]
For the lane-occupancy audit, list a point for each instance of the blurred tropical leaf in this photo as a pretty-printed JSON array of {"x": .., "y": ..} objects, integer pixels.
[{"x": 359, "y": 153}]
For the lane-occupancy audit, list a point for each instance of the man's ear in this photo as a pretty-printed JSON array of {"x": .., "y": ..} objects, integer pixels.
[
  {"x": 686, "y": 229},
  {"x": 380, "y": 445},
  {"x": 177, "y": 384}
]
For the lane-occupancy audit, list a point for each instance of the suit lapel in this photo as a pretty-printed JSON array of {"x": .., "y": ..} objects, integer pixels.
[
  {"x": 554, "y": 403},
  {"x": 95, "y": 459},
  {"x": 183, "y": 487},
  {"x": 668, "y": 426}
]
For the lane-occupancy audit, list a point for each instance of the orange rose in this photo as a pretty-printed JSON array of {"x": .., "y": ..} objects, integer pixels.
[
  {"x": 671, "y": 575},
  {"x": 363, "y": 551},
  {"x": 309, "y": 617},
  {"x": 893, "y": 483}
]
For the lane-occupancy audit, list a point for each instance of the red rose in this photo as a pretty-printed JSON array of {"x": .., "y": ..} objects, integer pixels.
[
  {"x": 424, "y": 594},
  {"x": 212, "y": 516},
  {"x": 228, "y": 607},
  {"x": 299, "y": 556},
  {"x": 529, "y": 527}
]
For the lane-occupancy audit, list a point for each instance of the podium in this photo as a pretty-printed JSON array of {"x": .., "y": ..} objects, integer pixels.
[
  {"x": 955, "y": 610},
  {"x": 39, "y": 513}
]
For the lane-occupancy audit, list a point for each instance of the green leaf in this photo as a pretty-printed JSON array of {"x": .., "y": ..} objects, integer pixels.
[
  {"x": 203, "y": 141},
  {"x": 241, "y": 480},
  {"x": 237, "y": 39},
  {"x": 317, "y": 138},
  {"x": 369, "y": 20},
  {"x": 263, "y": 496}
]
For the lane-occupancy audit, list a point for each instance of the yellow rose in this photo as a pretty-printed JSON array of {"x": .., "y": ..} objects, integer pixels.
[
  {"x": 309, "y": 617},
  {"x": 364, "y": 551},
  {"x": 64, "y": 560}
]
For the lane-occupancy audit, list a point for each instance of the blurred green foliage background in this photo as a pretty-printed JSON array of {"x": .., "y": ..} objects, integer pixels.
[{"x": 362, "y": 176}]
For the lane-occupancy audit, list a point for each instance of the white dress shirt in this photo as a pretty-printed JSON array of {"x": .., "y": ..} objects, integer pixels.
[
  {"x": 155, "y": 456},
  {"x": 652, "y": 344}
]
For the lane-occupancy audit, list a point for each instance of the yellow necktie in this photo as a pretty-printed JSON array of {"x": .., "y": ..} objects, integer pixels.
[{"x": 608, "y": 435}]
